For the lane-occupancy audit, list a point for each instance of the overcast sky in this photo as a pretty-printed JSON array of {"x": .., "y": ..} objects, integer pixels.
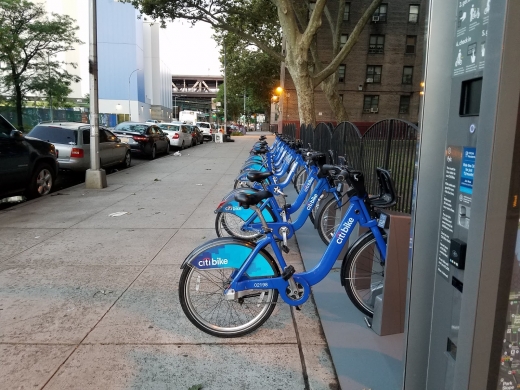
[{"x": 190, "y": 50}]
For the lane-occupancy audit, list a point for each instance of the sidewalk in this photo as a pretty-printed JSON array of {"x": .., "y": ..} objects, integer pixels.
[{"x": 89, "y": 301}]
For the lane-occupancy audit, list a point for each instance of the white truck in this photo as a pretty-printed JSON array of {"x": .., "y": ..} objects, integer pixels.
[{"x": 192, "y": 117}]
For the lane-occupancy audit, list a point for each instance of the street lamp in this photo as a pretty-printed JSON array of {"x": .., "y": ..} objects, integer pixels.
[{"x": 129, "y": 78}]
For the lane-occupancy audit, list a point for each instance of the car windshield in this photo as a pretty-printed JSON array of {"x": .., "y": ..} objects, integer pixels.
[
  {"x": 133, "y": 127},
  {"x": 56, "y": 135},
  {"x": 200, "y": 124},
  {"x": 170, "y": 127}
]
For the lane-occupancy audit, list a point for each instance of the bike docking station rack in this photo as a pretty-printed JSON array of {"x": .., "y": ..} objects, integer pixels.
[{"x": 390, "y": 302}]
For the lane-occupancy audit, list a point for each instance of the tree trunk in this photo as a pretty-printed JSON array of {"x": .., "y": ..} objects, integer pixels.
[
  {"x": 296, "y": 63},
  {"x": 18, "y": 100},
  {"x": 329, "y": 86}
]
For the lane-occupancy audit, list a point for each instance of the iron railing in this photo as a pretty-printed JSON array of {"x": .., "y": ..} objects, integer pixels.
[{"x": 390, "y": 144}]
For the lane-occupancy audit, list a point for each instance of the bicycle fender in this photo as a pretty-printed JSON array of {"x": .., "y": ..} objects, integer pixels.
[
  {"x": 233, "y": 207},
  {"x": 253, "y": 167},
  {"x": 351, "y": 249},
  {"x": 229, "y": 252}
]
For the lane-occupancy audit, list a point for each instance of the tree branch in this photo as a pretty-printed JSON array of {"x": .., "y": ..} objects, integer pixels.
[
  {"x": 314, "y": 23},
  {"x": 352, "y": 40}
]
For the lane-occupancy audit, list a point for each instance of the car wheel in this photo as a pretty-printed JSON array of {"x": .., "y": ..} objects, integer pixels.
[
  {"x": 202, "y": 141},
  {"x": 193, "y": 143},
  {"x": 167, "y": 148},
  {"x": 154, "y": 151},
  {"x": 41, "y": 182},
  {"x": 127, "y": 161}
]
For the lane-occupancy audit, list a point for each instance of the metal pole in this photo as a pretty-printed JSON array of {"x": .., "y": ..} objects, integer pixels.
[
  {"x": 175, "y": 107},
  {"x": 95, "y": 177},
  {"x": 129, "y": 111},
  {"x": 225, "y": 92},
  {"x": 245, "y": 106},
  {"x": 50, "y": 90}
]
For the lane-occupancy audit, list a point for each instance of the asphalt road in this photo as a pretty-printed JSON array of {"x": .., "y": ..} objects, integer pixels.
[{"x": 69, "y": 179}]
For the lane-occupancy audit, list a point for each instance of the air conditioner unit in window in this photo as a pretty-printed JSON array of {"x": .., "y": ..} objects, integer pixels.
[
  {"x": 366, "y": 110},
  {"x": 375, "y": 18},
  {"x": 370, "y": 80},
  {"x": 374, "y": 109}
]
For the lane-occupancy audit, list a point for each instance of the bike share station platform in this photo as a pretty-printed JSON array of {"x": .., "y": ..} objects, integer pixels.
[{"x": 462, "y": 312}]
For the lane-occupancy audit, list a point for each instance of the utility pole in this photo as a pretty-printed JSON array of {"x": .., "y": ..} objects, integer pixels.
[
  {"x": 95, "y": 177},
  {"x": 50, "y": 90},
  {"x": 225, "y": 93}
]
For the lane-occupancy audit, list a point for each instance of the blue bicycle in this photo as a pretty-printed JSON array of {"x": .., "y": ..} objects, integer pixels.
[{"x": 228, "y": 286}]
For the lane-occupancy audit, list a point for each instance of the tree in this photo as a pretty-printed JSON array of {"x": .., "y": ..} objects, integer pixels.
[
  {"x": 249, "y": 71},
  {"x": 246, "y": 20},
  {"x": 29, "y": 42}
]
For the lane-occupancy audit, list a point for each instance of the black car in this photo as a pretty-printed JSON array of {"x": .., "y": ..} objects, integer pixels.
[
  {"x": 27, "y": 165},
  {"x": 145, "y": 138},
  {"x": 196, "y": 134}
]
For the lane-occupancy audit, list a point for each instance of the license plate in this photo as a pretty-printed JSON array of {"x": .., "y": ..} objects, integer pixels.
[{"x": 124, "y": 140}]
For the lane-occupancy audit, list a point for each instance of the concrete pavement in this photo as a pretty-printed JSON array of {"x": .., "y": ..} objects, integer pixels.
[{"x": 89, "y": 301}]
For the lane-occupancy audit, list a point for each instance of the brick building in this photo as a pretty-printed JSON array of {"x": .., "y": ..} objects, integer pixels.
[{"x": 381, "y": 77}]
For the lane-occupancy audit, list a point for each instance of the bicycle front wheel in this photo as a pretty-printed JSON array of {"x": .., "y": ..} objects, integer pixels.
[
  {"x": 202, "y": 300},
  {"x": 329, "y": 219},
  {"x": 363, "y": 273},
  {"x": 300, "y": 180}
]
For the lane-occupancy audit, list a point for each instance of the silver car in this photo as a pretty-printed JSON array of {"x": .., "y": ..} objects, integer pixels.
[
  {"x": 72, "y": 141},
  {"x": 178, "y": 133}
]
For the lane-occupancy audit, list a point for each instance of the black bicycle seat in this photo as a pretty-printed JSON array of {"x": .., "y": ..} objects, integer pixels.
[
  {"x": 258, "y": 176},
  {"x": 246, "y": 200}
]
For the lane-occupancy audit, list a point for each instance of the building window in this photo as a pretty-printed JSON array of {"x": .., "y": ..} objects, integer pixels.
[
  {"x": 380, "y": 13},
  {"x": 413, "y": 14},
  {"x": 373, "y": 74},
  {"x": 407, "y": 74},
  {"x": 371, "y": 104},
  {"x": 343, "y": 40},
  {"x": 410, "y": 44},
  {"x": 341, "y": 73},
  {"x": 404, "y": 104},
  {"x": 346, "y": 13},
  {"x": 376, "y": 44},
  {"x": 312, "y": 5}
]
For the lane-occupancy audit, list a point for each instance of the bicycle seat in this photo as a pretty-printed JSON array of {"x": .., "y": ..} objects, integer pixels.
[
  {"x": 258, "y": 176},
  {"x": 262, "y": 138},
  {"x": 245, "y": 200}
]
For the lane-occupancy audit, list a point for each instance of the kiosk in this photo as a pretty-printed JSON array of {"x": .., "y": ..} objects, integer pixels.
[{"x": 463, "y": 313}]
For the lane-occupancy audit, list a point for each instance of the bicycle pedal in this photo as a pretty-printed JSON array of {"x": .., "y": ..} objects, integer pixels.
[
  {"x": 285, "y": 248},
  {"x": 288, "y": 272}
]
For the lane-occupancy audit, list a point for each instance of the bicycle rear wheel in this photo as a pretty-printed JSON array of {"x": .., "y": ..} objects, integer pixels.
[
  {"x": 363, "y": 273},
  {"x": 202, "y": 300}
]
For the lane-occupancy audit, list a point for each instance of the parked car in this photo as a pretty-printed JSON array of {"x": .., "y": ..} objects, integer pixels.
[
  {"x": 72, "y": 141},
  {"x": 196, "y": 133},
  {"x": 178, "y": 133},
  {"x": 206, "y": 129},
  {"x": 27, "y": 165},
  {"x": 144, "y": 138}
]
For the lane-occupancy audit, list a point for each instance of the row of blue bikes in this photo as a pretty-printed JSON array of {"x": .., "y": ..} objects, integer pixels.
[{"x": 229, "y": 286}]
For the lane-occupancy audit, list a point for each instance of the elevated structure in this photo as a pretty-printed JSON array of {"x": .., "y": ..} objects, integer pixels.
[{"x": 194, "y": 92}]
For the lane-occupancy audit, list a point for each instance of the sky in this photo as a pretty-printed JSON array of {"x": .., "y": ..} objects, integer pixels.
[{"x": 190, "y": 50}]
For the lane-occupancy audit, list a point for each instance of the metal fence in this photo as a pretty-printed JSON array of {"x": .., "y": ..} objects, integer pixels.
[{"x": 390, "y": 144}]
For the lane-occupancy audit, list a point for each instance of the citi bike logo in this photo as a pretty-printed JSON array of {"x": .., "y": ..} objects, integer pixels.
[
  {"x": 312, "y": 201},
  {"x": 207, "y": 262},
  {"x": 343, "y": 231},
  {"x": 232, "y": 208},
  {"x": 308, "y": 184}
]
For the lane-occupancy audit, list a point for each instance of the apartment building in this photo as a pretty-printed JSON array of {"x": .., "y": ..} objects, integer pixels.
[{"x": 381, "y": 77}]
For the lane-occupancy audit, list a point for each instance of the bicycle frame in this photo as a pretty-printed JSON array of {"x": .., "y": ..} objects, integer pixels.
[{"x": 357, "y": 213}]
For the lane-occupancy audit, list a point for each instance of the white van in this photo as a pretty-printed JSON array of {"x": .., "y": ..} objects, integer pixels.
[{"x": 207, "y": 129}]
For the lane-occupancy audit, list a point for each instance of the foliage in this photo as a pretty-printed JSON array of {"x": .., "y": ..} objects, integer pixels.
[
  {"x": 29, "y": 42},
  {"x": 259, "y": 22},
  {"x": 249, "y": 70}
]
